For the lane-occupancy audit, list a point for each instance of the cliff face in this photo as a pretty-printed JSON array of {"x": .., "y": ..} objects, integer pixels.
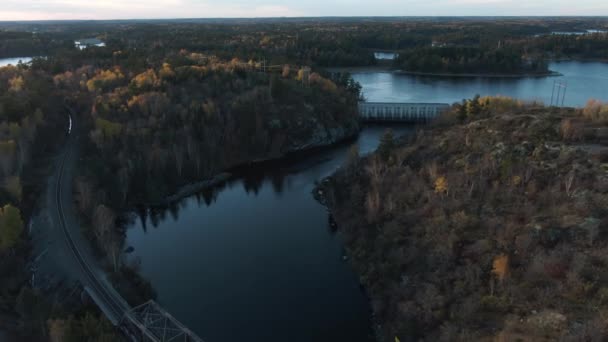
[{"x": 493, "y": 227}]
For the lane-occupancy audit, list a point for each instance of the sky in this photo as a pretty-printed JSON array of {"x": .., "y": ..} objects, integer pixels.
[{"x": 153, "y": 9}]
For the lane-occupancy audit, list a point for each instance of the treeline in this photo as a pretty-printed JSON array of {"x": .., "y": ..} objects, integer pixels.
[
  {"x": 586, "y": 46},
  {"x": 314, "y": 42},
  {"x": 28, "y": 44},
  {"x": 32, "y": 124},
  {"x": 487, "y": 225},
  {"x": 457, "y": 60}
]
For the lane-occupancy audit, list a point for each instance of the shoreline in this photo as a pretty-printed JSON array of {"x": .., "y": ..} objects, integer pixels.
[
  {"x": 582, "y": 60},
  {"x": 228, "y": 173},
  {"x": 483, "y": 75},
  {"x": 389, "y": 69}
]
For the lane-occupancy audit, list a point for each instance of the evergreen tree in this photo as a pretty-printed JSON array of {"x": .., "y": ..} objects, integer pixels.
[
  {"x": 387, "y": 144},
  {"x": 11, "y": 226}
]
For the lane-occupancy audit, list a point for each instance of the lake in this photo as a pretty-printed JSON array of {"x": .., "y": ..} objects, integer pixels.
[
  {"x": 14, "y": 60},
  {"x": 584, "y": 81},
  {"x": 255, "y": 260}
]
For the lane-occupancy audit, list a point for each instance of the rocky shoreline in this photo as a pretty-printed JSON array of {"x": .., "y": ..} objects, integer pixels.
[{"x": 320, "y": 139}]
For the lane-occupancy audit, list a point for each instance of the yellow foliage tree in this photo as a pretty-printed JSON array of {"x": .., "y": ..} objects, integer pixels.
[
  {"x": 146, "y": 79},
  {"x": 441, "y": 185},
  {"x": 16, "y": 83},
  {"x": 516, "y": 180},
  {"x": 166, "y": 72},
  {"x": 500, "y": 266}
]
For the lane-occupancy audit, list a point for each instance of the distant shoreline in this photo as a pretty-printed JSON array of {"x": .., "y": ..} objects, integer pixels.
[
  {"x": 485, "y": 75},
  {"x": 383, "y": 68}
]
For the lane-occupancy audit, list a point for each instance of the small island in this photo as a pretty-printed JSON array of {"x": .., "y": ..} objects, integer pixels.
[{"x": 449, "y": 61}]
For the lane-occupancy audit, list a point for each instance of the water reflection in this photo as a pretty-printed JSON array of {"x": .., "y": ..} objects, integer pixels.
[
  {"x": 585, "y": 81},
  {"x": 257, "y": 252}
]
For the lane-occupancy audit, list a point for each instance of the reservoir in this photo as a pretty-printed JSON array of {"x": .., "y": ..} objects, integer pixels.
[
  {"x": 256, "y": 260},
  {"x": 583, "y": 80}
]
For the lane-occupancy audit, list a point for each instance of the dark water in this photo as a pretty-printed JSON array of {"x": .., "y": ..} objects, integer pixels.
[
  {"x": 584, "y": 81},
  {"x": 256, "y": 261}
]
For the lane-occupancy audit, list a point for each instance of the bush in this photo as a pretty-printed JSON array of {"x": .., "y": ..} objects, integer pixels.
[{"x": 596, "y": 111}]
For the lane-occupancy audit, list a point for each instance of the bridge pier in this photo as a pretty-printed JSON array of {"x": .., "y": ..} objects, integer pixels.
[{"x": 400, "y": 112}]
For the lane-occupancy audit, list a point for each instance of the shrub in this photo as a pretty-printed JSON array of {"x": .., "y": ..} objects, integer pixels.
[{"x": 596, "y": 111}]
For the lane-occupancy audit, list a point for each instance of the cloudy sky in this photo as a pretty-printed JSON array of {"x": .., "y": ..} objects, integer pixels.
[{"x": 124, "y": 9}]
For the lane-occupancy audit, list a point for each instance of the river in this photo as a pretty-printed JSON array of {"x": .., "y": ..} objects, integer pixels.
[{"x": 255, "y": 260}]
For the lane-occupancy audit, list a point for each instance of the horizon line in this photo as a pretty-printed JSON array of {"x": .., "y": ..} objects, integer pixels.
[{"x": 308, "y": 17}]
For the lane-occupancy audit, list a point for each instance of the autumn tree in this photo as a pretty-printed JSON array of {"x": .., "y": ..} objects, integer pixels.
[
  {"x": 16, "y": 83},
  {"x": 441, "y": 185},
  {"x": 500, "y": 266}
]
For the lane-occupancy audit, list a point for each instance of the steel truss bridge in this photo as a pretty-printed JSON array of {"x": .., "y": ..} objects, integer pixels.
[{"x": 150, "y": 322}]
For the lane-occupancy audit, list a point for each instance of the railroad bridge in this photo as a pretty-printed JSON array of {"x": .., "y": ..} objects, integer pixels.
[{"x": 400, "y": 112}]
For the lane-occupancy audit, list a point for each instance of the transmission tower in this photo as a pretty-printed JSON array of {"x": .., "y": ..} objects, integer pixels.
[{"x": 558, "y": 99}]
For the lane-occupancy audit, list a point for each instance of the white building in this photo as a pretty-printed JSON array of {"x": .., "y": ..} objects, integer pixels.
[{"x": 85, "y": 43}]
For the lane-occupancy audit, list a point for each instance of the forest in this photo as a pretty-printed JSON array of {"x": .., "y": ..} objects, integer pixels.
[
  {"x": 169, "y": 103},
  {"x": 458, "y": 60},
  {"x": 151, "y": 125},
  {"x": 317, "y": 42},
  {"x": 487, "y": 225}
]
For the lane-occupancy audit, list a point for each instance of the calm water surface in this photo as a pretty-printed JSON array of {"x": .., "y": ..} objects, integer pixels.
[
  {"x": 584, "y": 81},
  {"x": 255, "y": 260}
]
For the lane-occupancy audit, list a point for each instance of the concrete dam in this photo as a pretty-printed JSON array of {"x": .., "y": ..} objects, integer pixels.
[{"x": 400, "y": 112}]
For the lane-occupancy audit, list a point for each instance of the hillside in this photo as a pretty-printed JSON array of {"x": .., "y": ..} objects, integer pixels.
[{"x": 489, "y": 224}]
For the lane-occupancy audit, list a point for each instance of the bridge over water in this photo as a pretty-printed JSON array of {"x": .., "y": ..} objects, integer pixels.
[{"x": 400, "y": 112}]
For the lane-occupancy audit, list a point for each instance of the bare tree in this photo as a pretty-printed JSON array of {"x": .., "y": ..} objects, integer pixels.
[{"x": 103, "y": 222}]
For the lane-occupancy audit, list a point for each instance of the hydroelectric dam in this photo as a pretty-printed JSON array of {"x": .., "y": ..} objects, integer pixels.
[{"x": 400, "y": 112}]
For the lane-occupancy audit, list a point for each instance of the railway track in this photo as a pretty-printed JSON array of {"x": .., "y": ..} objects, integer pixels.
[{"x": 116, "y": 306}]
